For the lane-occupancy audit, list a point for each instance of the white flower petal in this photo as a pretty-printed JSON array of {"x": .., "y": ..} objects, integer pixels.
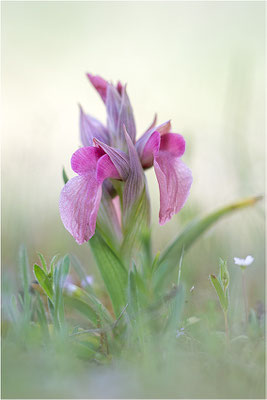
[{"x": 244, "y": 261}]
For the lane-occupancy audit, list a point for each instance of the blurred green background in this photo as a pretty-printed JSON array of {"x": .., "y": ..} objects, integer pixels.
[{"x": 199, "y": 63}]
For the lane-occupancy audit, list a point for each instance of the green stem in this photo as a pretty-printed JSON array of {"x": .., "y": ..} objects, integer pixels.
[
  {"x": 245, "y": 294},
  {"x": 226, "y": 327},
  {"x": 180, "y": 267}
]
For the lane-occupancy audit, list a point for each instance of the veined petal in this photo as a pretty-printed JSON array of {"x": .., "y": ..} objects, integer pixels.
[
  {"x": 126, "y": 118},
  {"x": 90, "y": 127},
  {"x": 141, "y": 142},
  {"x": 99, "y": 84},
  {"x": 78, "y": 206},
  {"x": 175, "y": 180},
  {"x": 118, "y": 158},
  {"x": 84, "y": 160},
  {"x": 173, "y": 143},
  {"x": 135, "y": 181},
  {"x": 113, "y": 106},
  {"x": 151, "y": 148},
  {"x": 106, "y": 169}
]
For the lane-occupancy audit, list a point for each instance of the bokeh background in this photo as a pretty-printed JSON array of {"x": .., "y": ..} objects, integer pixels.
[{"x": 200, "y": 64}]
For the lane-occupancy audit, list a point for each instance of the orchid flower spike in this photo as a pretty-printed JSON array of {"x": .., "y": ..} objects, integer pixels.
[{"x": 111, "y": 153}]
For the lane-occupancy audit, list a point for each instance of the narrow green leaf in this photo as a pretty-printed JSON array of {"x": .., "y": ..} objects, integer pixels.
[
  {"x": 24, "y": 270},
  {"x": 176, "y": 308},
  {"x": 42, "y": 316},
  {"x": 64, "y": 175},
  {"x": 43, "y": 262},
  {"x": 224, "y": 274},
  {"x": 133, "y": 303},
  {"x": 155, "y": 262},
  {"x": 52, "y": 265},
  {"x": 82, "y": 307},
  {"x": 43, "y": 281},
  {"x": 98, "y": 307},
  {"x": 168, "y": 259},
  {"x": 112, "y": 271},
  {"x": 60, "y": 275},
  {"x": 220, "y": 293}
]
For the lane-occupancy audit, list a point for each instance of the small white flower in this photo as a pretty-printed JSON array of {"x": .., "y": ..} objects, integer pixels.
[
  {"x": 192, "y": 288},
  {"x": 88, "y": 281},
  {"x": 244, "y": 262},
  {"x": 179, "y": 332}
]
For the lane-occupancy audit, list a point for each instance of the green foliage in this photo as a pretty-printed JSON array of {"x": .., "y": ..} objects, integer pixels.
[
  {"x": 112, "y": 270},
  {"x": 150, "y": 326},
  {"x": 64, "y": 175},
  {"x": 222, "y": 296},
  {"x": 44, "y": 281},
  {"x": 60, "y": 275},
  {"x": 135, "y": 226},
  {"x": 168, "y": 259},
  {"x": 24, "y": 271}
]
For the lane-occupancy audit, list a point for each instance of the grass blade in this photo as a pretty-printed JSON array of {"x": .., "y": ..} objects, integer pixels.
[
  {"x": 168, "y": 259},
  {"x": 24, "y": 269}
]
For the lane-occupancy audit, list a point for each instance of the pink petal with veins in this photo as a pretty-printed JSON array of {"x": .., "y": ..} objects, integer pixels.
[{"x": 175, "y": 180}]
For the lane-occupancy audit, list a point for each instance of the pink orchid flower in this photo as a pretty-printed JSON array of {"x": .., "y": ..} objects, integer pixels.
[{"x": 112, "y": 152}]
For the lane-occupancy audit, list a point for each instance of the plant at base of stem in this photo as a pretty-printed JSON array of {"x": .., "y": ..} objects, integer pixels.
[{"x": 221, "y": 285}]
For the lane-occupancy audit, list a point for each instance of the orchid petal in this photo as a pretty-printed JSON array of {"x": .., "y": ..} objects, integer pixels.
[
  {"x": 175, "y": 180},
  {"x": 153, "y": 124},
  {"x": 99, "y": 84},
  {"x": 78, "y": 206},
  {"x": 85, "y": 159},
  {"x": 108, "y": 219},
  {"x": 106, "y": 169},
  {"x": 136, "y": 206},
  {"x": 119, "y": 87},
  {"x": 135, "y": 181},
  {"x": 118, "y": 158},
  {"x": 113, "y": 106},
  {"x": 90, "y": 127},
  {"x": 141, "y": 142},
  {"x": 126, "y": 118},
  {"x": 173, "y": 143},
  {"x": 80, "y": 197},
  {"x": 151, "y": 148}
]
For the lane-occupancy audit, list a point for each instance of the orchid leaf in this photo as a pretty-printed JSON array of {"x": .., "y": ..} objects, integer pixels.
[
  {"x": 168, "y": 260},
  {"x": 112, "y": 271}
]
